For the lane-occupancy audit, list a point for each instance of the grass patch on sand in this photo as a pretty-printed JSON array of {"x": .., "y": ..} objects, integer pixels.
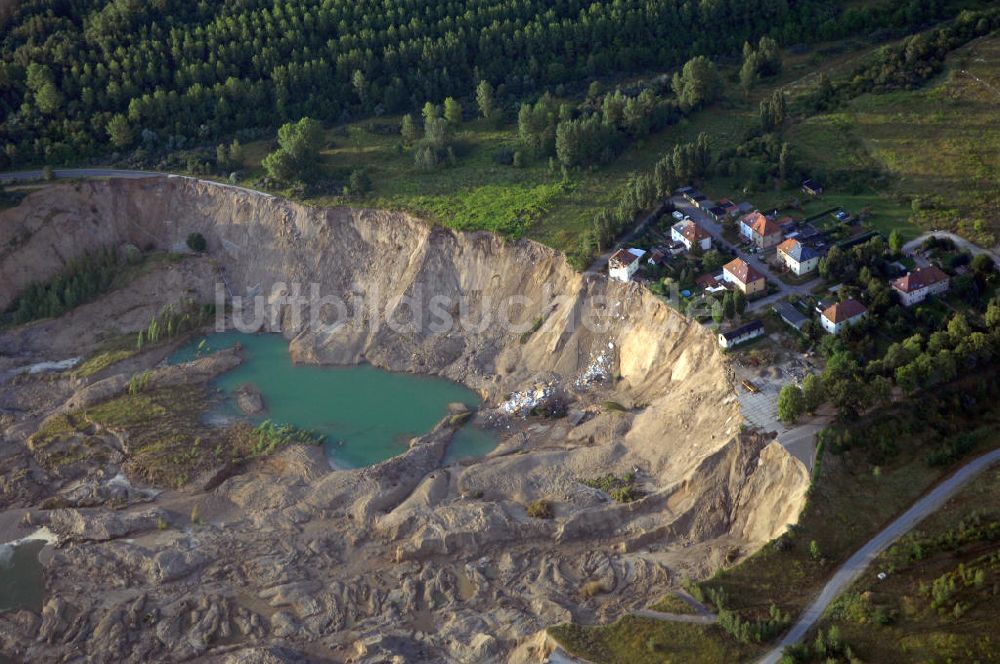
[
  {"x": 165, "y": 442},
  {"x": 634, "y": 640},
  {"x": 673, "y": 604},
  {"x": 101, "y": 360}
]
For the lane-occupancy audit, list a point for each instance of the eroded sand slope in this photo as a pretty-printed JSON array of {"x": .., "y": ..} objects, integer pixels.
[{"x": 408, "y": 557}]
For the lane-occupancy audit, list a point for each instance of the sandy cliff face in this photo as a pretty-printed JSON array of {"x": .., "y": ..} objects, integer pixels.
[{"x": 468, "y": 559}]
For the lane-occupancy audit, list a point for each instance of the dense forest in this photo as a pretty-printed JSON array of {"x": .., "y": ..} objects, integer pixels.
[{"x": 84, "y": 77}]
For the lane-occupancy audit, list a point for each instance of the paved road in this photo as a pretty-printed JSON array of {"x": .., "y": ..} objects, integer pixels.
[
  {"x": 959, "y": 241},
  {"x": 91, "y": 173},
  {"x": 715, "y": 229},
  {"x": 856, "y": 564}
]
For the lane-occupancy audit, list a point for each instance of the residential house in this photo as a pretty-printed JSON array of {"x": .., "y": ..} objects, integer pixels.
[
  {"x": 792, "y": 316},
  {"x": 799, "y": 258},
  {"x": 658, "y": 256},
  {"x": 717, "y": 212},
  {"x": 728, "y": 207},
  {"x": 742, "y": 275},
  {"x": 842, "y": 314},
  {"x": 741, "y": 334},
  {"x": 811, "y": 187},
  {"x": 624, "y": 264},
  {"x": 711, "y": 283},
  {"x": 694, "y": 197},
  {"x": 690, "y": 234},
  {"x": 763, "y": 232},
  {"x": 920, "y": 284},
  {"x": 705, "y": 204}
]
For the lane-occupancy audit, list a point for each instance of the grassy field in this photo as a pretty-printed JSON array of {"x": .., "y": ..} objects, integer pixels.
[
  {"x": 479, "y": 193},
  {"x": 634, "y": 640},
  {"x": 939, "y": 145},
  {"x": 535, "y": 199},
  {"x": 933, "y": 152},
  {"x": 957, "y": 551}
]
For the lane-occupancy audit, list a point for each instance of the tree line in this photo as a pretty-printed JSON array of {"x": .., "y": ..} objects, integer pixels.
[{"x": 78, "y": 77}]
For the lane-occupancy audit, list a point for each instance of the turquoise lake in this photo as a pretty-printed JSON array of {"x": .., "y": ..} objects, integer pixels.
[{"x": 367, "y": 414}]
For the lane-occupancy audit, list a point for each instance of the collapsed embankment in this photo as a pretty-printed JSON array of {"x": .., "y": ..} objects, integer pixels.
[{"x": 401, "y": 282}]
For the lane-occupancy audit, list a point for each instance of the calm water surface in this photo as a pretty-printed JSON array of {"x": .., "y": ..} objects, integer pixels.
[{"x": 367, "y": 414}]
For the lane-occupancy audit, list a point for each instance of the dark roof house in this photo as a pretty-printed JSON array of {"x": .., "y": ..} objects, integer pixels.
[{"x": 790, "y": 315}]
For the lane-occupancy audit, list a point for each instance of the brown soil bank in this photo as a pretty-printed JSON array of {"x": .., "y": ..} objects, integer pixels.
[{"x": 406, "y": 558}]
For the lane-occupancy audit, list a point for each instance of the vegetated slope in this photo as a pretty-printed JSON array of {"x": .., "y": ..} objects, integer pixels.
[
  {"x": 938, "y": 144},
  {"x": 938, "y": 596},
  {"x": 678, "y": 422},
  {"x": 176, "y": 72}
]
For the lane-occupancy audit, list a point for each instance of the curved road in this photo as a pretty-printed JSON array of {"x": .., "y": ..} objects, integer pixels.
[
  {"x": 857, "y": 563},
  {"x": 81, "y": 173},
  {"x": 959, "y": 241}
]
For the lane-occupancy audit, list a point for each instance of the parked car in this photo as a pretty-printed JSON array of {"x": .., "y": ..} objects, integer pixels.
[{"x": 678, "y": 215}]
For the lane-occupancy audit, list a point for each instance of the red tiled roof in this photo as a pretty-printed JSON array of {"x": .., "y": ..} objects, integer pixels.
[
  {"x": 623, "y": 257},
  {"x": 788, "y": 245},
  {"x": 742, "y": 271},
  {"x": 844, "y": 311},
  {"x": 694, "y": 233},
  {"x": 765, "y": 227},
  {"x": 707, "y": 281},
  {"x": 752, "y": 218},
  {"x": 922, "y": 277}
]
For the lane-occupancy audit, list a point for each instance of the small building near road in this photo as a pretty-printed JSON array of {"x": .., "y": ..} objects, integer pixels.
[
  {"x": 694, "y": 197},
  {"x": 717, "y": 212},
  {"x": 729, "y": 208},
  {"x": 690, "y": 234},
  {"x": 838, "y": 316},
  {"x": 792, "y": 316},
  {"x": 763, "y": 232},
  {"x": 799, "y": 258},
  {"x": 920, "y": 284},
  {"x": 741, "y": 334},
  {"x": 811, "y": 187},
  {"x": 624, "y": 264},
  {"x": 743, "y": 275}
]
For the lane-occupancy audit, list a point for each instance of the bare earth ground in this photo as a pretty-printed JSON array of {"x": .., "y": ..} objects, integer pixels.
[{"x": 408, "y": 559}]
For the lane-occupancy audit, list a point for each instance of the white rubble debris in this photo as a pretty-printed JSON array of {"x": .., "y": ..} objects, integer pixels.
[
  {"x": 599, "y": 368},
  {"x": 46, "y": 367},
  {"x": 522, "y": 403}
]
